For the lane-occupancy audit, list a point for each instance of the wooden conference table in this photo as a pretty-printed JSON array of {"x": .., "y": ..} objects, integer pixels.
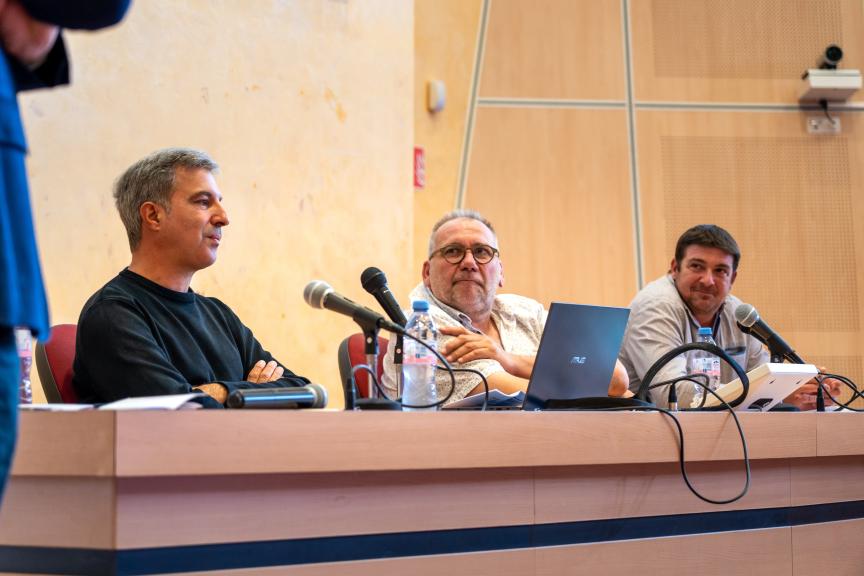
[{"x": 321, "y": 492}]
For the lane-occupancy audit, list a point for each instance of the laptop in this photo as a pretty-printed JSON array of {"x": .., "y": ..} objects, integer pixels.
[
  {"x": 577, "y": 354},
  {"x": 574, "y": 362}
]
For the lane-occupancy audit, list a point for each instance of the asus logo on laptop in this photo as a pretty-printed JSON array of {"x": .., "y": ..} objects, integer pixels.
[{"x": 578, "y": 359}]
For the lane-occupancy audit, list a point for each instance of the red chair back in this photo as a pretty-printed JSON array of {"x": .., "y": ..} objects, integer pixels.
[
  {"x": 352, "y": 353},
  {"x": 54, "y": 364}
]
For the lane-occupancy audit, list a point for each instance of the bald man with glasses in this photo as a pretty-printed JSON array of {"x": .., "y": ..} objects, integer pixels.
[{"x": 496, "y": 334}]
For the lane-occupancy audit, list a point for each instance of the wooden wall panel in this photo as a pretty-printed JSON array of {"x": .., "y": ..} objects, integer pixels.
[
  {"x": 763, "y": 552},
  {"x": 738, "y": 50},
  {"x": 793, "y": 202},
  {"x": 593, "y": 467},
  {"x": 328, "y": 441},
  {"x": 506, "y": 563},
  {"x": 812, "y": 485},
  {"x": 558, "y": 49},
  {"x": 839, "y": 434},
  {"x": 566, "y": 494},
  {"x": 555, "y": 183},
  {"x": 59, "y": 512},
  {"x": 66, "y": 454},
  {"x": 791, "y": 199},
  {"x": 818, "y": 550},
  {"x": 249, "y": 509}
]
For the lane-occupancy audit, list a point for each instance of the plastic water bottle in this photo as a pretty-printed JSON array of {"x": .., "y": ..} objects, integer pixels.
[
  {"x": 24, "y": 343},
  {"x": 418, "y": 364},
  {"x": 705, "y": 363}
]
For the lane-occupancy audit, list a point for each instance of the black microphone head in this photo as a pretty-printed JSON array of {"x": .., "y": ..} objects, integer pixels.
[
  {"x": 315, "y": 292},
  {"x": 746, "y": 315},
  {"x": 373, "y": 279}
]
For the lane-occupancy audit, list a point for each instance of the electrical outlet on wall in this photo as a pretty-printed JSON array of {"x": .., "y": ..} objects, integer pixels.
[{"x": 823, "y": 125}]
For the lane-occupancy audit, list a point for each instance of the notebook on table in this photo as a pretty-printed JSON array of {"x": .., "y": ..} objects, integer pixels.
[{"x": 769, "y": 385}]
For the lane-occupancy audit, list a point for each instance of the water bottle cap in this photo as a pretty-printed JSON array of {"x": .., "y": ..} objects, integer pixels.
[
  {"x": 705, "y": 331},
  {"x": 420, "y": 305}
]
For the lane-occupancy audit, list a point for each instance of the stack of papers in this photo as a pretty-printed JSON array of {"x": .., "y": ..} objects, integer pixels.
[
  {"x": 496, "y": 399},
  {"x": 169, "y": 402},
  {"x": 769, "y": 385}
]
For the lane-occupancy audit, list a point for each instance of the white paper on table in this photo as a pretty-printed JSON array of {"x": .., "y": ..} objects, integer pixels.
[
  {"x": 47, "y": 407},
  {"x": 496, "y": 398},
  {"x": 168, "y": 402}
]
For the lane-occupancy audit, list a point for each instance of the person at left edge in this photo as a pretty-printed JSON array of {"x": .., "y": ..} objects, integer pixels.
[
  {"x": 146, "y": 332},
  {"x": 33, "y": 56}
]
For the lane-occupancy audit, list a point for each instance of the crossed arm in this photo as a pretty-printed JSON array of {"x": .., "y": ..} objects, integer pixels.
[
  {"x": 261, "y": 373},
  {"x": 121, "y": 353}
]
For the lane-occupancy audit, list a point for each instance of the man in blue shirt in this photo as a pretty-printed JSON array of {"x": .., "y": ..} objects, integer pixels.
[{"x": 34, "y": 56}]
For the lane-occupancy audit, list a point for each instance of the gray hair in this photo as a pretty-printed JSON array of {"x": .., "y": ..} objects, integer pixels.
[
  {"x": 456, "y": 215},
  {"x": 151, "y": 179}
]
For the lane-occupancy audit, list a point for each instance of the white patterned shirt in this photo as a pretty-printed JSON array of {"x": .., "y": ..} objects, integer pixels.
[{"x": 519, "y": 321}]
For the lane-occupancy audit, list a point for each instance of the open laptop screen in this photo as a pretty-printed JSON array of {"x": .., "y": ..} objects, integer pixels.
[{"x": 577, "y": 353}]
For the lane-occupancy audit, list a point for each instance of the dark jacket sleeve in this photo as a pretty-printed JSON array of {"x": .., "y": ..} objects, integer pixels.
[
  {"x": 83, "y": 14},
  {"x": 54, "y": 70},
  {"x": 117, "y": 357},
  {"x": 251, "y": 351},
  {"x": 80, "y": 14}
]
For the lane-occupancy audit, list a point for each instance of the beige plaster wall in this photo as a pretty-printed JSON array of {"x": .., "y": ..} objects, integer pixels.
[
  {"x": 445, "y": 45},
  {"x": 307, "y": 106}
]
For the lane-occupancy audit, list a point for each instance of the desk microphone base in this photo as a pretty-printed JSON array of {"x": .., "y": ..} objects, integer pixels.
[{"x": 376, "y": 404}]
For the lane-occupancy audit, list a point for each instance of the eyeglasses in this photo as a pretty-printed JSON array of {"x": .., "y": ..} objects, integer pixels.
[{"x": 455, "y": 253}]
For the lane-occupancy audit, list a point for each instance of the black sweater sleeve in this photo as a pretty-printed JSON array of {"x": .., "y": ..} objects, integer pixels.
[
  {"x": 117, "y": 356},
  {"x": 251, "y": 352},
  {"x": 123, "y": 351}
]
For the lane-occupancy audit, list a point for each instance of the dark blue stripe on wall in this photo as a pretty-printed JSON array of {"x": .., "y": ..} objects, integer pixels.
[
  {"x": 33, "y": 560},
  {"x": 658, "y": 526},
  {"x": 801, "y": 515},
  {"x": 316, "y": 550},
  {"x": 37, "y": 560}
]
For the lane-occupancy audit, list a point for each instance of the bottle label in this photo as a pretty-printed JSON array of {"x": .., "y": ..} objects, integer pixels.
[
  {"x": 420, "y": 358},
  {"x": 23, "y": 342}
]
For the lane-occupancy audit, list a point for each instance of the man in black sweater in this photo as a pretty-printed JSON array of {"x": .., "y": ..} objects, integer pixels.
[{"x": 146, "y": 332}]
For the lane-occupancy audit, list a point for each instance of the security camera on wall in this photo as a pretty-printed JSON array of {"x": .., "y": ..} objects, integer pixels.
[
  {"x": 828, "y": 83},
  {"x": 831, "y": 57}
]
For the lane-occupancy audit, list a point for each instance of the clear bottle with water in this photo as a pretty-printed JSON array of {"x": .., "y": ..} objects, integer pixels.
[
  {"x": 418, "y": 364},
  {"x": 703, "y": 362},
  {"x": 24, "y": 343}
]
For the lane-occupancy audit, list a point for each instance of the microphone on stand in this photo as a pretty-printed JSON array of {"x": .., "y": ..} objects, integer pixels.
[
  {"x": 308, "y": 396},
  {"x": 320, "y": 294},
  {"x": 750, "y": 323},
  {"x": 375, "y": 282}
]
